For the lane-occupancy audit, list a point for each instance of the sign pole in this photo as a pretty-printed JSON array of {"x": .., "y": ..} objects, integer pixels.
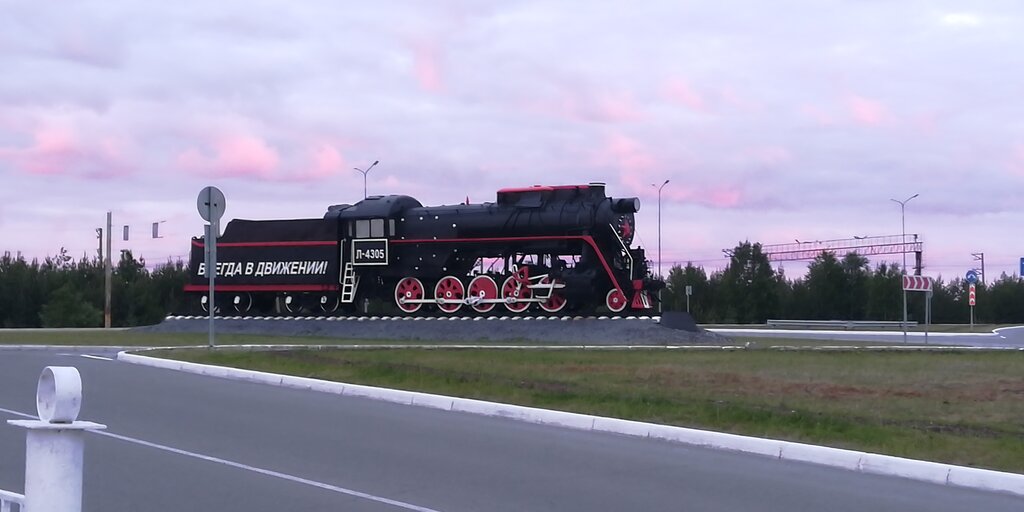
[
  {"x": 211, "y": 263},
  {"x": 904, "y": 315},
  {"x": 211, "y": 206},
  {"x": 927, "y": 315}
]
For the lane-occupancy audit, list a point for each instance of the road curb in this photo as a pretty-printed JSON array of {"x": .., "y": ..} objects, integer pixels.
[{"x": 862, "y": 462}]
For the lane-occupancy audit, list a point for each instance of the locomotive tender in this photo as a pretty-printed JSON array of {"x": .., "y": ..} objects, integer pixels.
[{"x": 552, "y": 248}]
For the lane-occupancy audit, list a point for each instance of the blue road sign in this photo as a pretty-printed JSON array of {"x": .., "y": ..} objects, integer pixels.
[
  {"x": 1021, "y": 267},
  {"x": 972, "y": 276}
]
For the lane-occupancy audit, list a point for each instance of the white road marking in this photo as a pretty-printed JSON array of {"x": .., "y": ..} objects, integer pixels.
[
  {"x": 88, "y": 356},
  {"x": 261, "y": 471}
]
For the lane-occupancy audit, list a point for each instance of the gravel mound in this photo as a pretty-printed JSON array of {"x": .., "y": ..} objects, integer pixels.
[{"x": 582, "y": 331}]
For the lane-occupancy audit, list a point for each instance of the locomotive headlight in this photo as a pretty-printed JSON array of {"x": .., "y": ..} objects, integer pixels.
[{"x": 626, "y": 205}]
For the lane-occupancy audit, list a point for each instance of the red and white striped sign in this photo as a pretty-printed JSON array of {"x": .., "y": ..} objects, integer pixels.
[
  {"x": 917, "y": 283},
  {"x": 970, "y": 296}
]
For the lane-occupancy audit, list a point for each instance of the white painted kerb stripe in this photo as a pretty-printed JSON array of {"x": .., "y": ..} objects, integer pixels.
[
  {"x": 261, "y": 471},
  {"x": 89, "y": 356}
]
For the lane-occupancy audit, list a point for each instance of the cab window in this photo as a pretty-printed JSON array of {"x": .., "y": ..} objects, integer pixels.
[
  {"x": 376, "y": 228},
  {"x": 362, "y": 229}
]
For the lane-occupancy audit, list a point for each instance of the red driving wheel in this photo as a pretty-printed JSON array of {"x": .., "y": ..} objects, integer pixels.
[
  {"x": 483, "y": 287},
  {"x": 514, "y": 290},
  {"x": 556, "y": 301},
  {"x": 409, "y": 288},
  {"x": 449, "y": 294}
]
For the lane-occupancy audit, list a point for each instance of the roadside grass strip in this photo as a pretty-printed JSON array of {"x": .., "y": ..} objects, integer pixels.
[{"x": 879, "y": 409}]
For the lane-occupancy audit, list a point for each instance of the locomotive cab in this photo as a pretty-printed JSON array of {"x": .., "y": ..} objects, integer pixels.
[{"x": 365, "y": 231}]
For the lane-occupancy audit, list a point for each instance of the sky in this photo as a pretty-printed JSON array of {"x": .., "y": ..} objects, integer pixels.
[{"x": 773, "y": 121}]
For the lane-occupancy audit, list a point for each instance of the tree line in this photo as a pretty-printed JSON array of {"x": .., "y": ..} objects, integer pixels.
[
  {"x": 63, "y": 292},
  {"x": 749, "y": 290}
]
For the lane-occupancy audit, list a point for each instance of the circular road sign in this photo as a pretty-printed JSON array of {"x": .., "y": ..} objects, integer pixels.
[
  {"x": 211, "y": 204},
  {"x": 972, "y": 276}
]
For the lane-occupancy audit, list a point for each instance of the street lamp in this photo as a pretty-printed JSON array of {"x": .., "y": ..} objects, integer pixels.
[
  {"x": 903, "y": 222},
  {"x": 659, "y": 223},
  {"x": 903, "y": 248},
  {"x": 367, "y": 171}
]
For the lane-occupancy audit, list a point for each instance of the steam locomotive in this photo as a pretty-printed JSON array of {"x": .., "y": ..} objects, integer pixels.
[{"x": 550, "y": 249}]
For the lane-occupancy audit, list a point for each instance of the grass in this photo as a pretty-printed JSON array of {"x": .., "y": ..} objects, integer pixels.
[{"x": 957, "y": 407}]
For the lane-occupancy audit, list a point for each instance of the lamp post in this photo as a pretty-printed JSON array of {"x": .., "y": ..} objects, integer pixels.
[
  {"x": 903, "y": 249},
  {"x": 367, "y": 171},
  {"x": 659, "y": 223},
  {"x": 659, "y": 247}
]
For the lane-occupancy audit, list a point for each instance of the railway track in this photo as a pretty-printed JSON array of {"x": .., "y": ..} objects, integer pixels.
[{"x": 654, "y": 319}]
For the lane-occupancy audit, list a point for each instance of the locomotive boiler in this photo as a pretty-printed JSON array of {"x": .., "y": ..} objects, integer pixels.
[{"x": 545, "y": 249}]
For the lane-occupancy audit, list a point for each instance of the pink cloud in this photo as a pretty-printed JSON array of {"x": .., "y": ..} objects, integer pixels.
[
  {"x": 867, "y": 111},
  {"x": 679, "y": 91},
  {"x": 817, "y": 115},
  {"x": 768, "y": 155},
  {"x": 603, "y": 108},
  {"x": 715, "y": 196},
  {"x": 723, "y": 197},
  {"x": 1016, "y": 160},
  {"x": 631, "y": 158},
  {"x": 731, "y": 98},
  {"x": 585, "y": 106},
  {"x": 59, "y": 150},
  {"x": 325, "y": 161},
  {"x": 233, "y": 156},
  {"x": 427, "y": 67}
]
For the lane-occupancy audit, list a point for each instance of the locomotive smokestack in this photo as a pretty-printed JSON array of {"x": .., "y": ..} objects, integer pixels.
[{"x": 626, "y": 205}]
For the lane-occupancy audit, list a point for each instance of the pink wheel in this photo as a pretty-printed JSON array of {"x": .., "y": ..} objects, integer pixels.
[
  {"x": 514, "y": 291},
  {"x": 409, "y": 288},
  {"x": 556, "y": 301},
  {"x": 615, "y": 301},
  {"x": 485, "y": 288},
  {"x": 449, "y": 294}
]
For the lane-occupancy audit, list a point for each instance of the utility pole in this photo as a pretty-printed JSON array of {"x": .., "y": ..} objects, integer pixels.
[
  {"x": 108, "y": 276},
  {"x": 980, "y": 256},
  {"x": 367, "y": 171}
]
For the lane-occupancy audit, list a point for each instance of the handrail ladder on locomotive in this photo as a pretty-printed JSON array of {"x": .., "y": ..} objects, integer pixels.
[{"x": 542, "y": 249}]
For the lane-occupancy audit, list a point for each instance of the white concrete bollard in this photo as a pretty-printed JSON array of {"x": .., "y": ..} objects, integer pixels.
[{"x": 54, "y": 443}]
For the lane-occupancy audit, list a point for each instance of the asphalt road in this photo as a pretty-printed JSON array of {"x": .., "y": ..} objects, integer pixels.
[{"x": 188, "y": 442}]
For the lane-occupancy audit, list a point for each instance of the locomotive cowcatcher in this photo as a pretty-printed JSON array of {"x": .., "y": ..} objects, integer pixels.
[{"x": 550, "y": 249}]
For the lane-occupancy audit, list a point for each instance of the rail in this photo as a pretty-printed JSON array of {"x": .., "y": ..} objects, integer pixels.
[
  {"x": 8, "y": 498},
  {"x": 841, "y": 324}
]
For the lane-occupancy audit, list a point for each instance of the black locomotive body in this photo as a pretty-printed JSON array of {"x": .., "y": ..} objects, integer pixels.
[{"x": 550, "y": 249}]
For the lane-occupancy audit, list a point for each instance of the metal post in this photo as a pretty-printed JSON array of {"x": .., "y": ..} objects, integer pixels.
[
  {"x": 903, "y": 249},
  {"x": 904, "y": 316},
  {"x": 660, "y": 303},
  {"x": 55, "y": 444},
  {"x": 211, "y": 271},
  {"x": 927, "y": 315},
  {"x": 108, "y": 273}
]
